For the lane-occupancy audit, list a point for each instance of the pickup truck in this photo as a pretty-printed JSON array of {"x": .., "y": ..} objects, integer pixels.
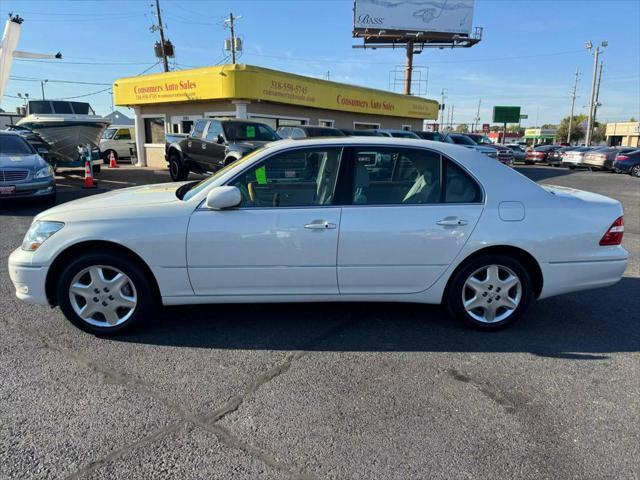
[{"x": 213, "y": 144}]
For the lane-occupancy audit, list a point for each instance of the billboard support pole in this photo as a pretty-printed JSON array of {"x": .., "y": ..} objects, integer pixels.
[
  {"x": 504, "y": 133},
  {"x": 408, "y": 69}
]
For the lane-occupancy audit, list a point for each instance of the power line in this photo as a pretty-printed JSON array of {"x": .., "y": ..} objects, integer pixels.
[
  {"x": 63, "y": 62},
  {"x": 33, "y": 79},
  {"x": 85, "y": 95}
]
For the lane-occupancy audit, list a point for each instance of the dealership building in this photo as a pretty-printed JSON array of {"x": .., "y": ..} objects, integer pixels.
[{"x": 172, "y": 101}]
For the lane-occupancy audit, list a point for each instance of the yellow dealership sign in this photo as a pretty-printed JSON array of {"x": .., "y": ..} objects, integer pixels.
[{"x": 228, "y": 82}]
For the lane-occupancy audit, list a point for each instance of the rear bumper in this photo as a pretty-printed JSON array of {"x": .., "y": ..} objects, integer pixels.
[
  {"x": 565, "y": 277},
  {"x": 28, "y": 280},
  {"x": 621, "y": 167}
]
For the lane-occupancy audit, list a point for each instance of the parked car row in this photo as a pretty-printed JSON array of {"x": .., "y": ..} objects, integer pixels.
[{"x": 215, "y": 143}]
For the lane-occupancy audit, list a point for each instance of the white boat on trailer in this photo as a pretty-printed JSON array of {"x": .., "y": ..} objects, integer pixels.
[{"x": 66, "y": 126}]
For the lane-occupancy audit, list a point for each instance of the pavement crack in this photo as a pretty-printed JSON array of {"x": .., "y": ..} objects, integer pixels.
[
  {"x": 117, "y": 453},
  {"x": 492, "y": 394},
  {"x": 231, "y": 441}
]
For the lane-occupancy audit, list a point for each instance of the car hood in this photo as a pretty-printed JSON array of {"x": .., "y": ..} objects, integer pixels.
[
  {"x": 32, "y": 162},
  {"x": 121, "y": 199}
]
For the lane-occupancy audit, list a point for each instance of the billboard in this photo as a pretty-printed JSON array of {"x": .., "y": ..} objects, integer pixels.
[
  {"x": 506, "y": 114},
  {"x": 445, "y": 16}
]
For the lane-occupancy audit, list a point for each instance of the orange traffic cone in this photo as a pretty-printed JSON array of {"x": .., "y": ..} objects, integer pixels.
[
  {"x": 88, "y": 176},
  {"x": 112, "y": 161}
]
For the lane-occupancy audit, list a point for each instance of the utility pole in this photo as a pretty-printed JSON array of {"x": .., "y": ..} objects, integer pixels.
[
  {"x": 451, "y": 121},
  {"x": 165, "y": 62},
  {"x": 596, "y": 56},
  {"x": 233, "y": 39},
  {"x": 597, "y": 102},
  {"x": 477, "y": 119},
  {"x": 573, "y": 104},
  {"x": 442, "y": 97}
]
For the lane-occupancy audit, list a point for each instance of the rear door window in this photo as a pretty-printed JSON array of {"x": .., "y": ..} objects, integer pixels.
[{"x": 198, "y": 129}]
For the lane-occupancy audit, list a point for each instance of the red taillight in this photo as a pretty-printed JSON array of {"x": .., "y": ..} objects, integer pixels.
[
  {"x": 614, "y": 234},
  {"x": 622, "y": 157}
]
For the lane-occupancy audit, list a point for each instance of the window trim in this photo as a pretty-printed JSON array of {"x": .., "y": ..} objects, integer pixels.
[{"x": 344, "y": 182}]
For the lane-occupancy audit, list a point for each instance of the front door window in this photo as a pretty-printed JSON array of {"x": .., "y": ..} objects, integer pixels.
[{"x": 298, "y": 178}]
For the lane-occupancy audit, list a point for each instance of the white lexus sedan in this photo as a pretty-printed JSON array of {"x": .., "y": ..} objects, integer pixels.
[{"x": 342, "y": 219}]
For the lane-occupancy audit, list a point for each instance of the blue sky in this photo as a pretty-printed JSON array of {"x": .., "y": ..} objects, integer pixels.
[{"x": 528, "y": 55}]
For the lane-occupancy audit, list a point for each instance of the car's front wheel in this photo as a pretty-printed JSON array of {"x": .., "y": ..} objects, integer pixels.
[
  {"x": 177, "y": 169},
  {"x": 490, "y": 292},
  {"x": 104, "y": 293}
]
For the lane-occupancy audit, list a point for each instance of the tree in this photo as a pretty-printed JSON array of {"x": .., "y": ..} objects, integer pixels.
[
  {"x": 462, "y": 128},
  {"x": 549, "y": 125},
  {"x": 633, "y": 119},
  {"x": 577, "y": 132},
  {"x": 599, "y": 132}
]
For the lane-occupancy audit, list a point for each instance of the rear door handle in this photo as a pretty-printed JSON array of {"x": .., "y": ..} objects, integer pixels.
[
  {"x": 451, "y": 222},
  {"x": 320, "y": 225}
]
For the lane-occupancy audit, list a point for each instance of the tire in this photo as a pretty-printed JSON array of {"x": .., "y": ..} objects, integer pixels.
[
  {"x": 135, "y": 289},
  {"x": 96, "y": 169},
  {"x": 489, "y": 292},
  {"x": 635, "y": 171},
  {"x": 177, "y": 169},
  {"x": 105, "y": 156}
]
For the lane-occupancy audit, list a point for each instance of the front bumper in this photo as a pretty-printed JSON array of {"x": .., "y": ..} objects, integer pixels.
[
  {"x": 33, "y": 188},
  {"x": 28, "y": 279}
]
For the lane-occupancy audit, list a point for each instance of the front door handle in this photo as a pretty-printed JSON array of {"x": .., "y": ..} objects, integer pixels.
[
  {"x": 204, "y": 146},
  {"x": 451, "y": 222},
  {"x": 320, "y": 225}
]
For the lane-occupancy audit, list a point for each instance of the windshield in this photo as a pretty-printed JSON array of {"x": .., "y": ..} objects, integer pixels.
[
  {"x": 462, "y": 140},
  {"x": 241, "y": 131},
  {"x": 481, "y": 139},
  {"x": 14, "y": 145},
  {"x": 108, "y": 133},
  {"x": 189, "y": 190}
]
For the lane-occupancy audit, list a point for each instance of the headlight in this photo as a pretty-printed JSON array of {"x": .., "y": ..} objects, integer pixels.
[
  {"x": 44, "y": 172},
  {"x": 38, "y": 233}
]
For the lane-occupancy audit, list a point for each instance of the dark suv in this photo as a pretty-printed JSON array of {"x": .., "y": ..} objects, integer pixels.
[{"x": 212, "y": 144}]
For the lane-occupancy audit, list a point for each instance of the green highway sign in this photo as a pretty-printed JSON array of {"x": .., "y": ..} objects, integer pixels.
[{"x": 506, "y": 114}]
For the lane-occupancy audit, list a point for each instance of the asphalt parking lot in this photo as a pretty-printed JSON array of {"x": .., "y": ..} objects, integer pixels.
[{"x": 325, "y": 391}]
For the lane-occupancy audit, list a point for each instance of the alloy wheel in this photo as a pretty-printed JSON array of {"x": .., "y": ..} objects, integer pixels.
[
  {"x": 491, "y": 294},
  {"x": 635, "y": 171},
  {"x": 103, "y": 296}
]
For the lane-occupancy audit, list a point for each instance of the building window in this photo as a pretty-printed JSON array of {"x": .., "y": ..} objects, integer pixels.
[
  {"x": 154, "y": 130},
  {"x": 365, "y": 126},
  {"x": 406, "y": 128},
  {"x": 326, "y": 123}
]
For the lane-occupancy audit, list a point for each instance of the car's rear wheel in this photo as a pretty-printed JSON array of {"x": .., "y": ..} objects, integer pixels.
[
  {"x": 104, "y": 294},
  {"x": 177, "y": 169},
  {"x": 635, "y": 171},
  {"x": 490, "y": 292}
]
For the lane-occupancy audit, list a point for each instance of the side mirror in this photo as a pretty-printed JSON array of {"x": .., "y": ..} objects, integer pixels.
[
  {"x": 221, "y": 198},
  {"x": 220, "y": 139}
]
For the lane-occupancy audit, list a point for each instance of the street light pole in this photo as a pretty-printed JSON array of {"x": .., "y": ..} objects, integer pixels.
[{"x": 42, "y": 82}]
